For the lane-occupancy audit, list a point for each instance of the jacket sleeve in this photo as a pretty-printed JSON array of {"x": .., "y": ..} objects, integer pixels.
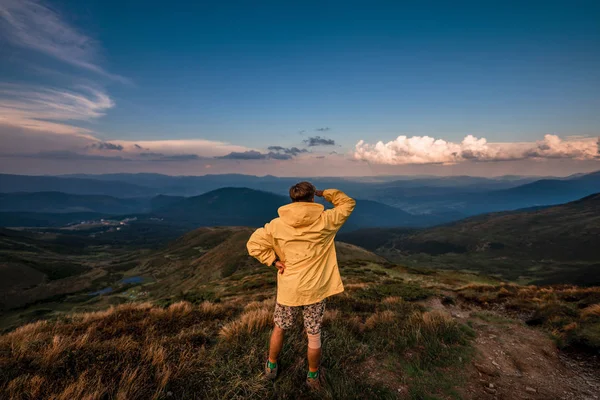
[
  {"x": 260, "y": 246},
  {"x": 342, "y": 208}
]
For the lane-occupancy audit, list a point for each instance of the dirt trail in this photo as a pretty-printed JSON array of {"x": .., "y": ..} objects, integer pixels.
[{"x": 514, "y": 361}]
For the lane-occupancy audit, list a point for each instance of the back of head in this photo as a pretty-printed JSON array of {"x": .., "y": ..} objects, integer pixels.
[{"x": 303, "y": 191}]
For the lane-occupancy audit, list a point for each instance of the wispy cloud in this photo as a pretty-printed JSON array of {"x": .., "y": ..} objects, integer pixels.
[
  {"x": 32, "y": 24},
  {"x": 70, "y": 155},
  {"x": 319, "y": 141},
  {"x": 174, "y": 147},
  {"x": 325, "y": 129},
  {"x": 427, "y": 150},
  {"x": 25, "y": 141},
  {"x": 51, "y": 109}
]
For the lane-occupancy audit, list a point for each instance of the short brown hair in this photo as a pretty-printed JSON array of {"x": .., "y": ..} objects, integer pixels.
[{"x": 303, "y": 191}]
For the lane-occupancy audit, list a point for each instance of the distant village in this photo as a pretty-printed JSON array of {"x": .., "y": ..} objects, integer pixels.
[{"x": 112, "y": 224}]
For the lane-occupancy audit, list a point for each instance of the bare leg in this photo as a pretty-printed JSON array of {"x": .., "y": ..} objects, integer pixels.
[
  {"x": 276, "y": 343},
  {"x": 314, "y": 359}
]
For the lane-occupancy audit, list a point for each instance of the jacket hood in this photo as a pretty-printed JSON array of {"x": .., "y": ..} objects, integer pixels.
[{"x": 300, "y": 213}]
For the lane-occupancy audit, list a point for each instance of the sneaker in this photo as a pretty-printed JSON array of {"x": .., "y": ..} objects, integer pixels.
[
  {"x": 270, "y": 373},
  {"x": 317, "y": 383}
]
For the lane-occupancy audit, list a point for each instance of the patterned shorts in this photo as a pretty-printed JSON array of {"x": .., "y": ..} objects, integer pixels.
[{"x": 312, "y": 314}]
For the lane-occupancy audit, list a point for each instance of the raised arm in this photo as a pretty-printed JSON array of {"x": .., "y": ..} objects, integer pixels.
[
  {"x": 342, "y": 207},
  {"x": 260, "y": 246}
]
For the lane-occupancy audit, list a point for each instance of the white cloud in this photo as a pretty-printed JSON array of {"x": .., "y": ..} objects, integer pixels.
[
  {"x": 34, "y": 25},
  {"x": 51, "y": 109},
  {"x": 35, "y": 120},
  {"x": 31, "y": 24},
  {"x": 27, "y": 141},
  {"x": 428, "y": 150}
]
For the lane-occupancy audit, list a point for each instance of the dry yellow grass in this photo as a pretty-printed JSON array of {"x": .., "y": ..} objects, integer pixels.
[
  {"x": 476, "y": 287},
  {"x": 353, "y": 286},
  {"x": 253, "y": 305},
  {"x": 570, "y": 327},
  {"x": 429, "y": 323},
  {"x": 249, "y": 322},
  {"x": 591, "y": 311},
  {"x": 131, "y": 351},
  {"x": 380, "y": 318},
  {"x": 392, "y": 300},
  {"x": 29, "y": 386},
  {"x": 87, "y": 386}
]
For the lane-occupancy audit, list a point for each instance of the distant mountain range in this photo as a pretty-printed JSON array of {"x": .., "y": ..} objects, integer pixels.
[
  {"x": 221, "y": 207},
  {"x": 144, "y": 185},
  {"x": 469, "y": 200},
  {"x": 398, "y": 203},
  {"x": 248, "y": 207},
  {"x": 548, "y": 244},
  {"x": 58, "y": 202},
  {"x": 25, "y": 183},
  {"x": 456, "y": 196}
]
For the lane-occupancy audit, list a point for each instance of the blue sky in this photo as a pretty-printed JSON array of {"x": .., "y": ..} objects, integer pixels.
[{"x": 224, "y": 81}]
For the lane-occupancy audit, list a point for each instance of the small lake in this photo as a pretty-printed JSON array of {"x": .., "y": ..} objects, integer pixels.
[{"x": 132, "y": 280}]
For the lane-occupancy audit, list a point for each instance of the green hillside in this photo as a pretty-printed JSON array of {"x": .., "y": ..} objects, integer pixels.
[
  {"x": 549, "y": 245},
  {"x": 192, "y": 319},
  {"x": 48, "y": 271}
]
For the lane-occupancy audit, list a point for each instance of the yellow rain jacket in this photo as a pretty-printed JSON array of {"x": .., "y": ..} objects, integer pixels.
[{"x": 302, "y": 238}]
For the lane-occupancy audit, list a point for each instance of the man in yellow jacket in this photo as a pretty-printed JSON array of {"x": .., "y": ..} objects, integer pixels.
[{"x": 300, "y": 244}]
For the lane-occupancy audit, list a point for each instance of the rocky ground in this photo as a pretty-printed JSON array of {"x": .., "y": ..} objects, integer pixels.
[{"x": 513, "y": 361}]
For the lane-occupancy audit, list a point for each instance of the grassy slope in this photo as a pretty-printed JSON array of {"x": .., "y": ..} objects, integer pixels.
[
  {"x": 203, "y": 349},
  {"x": 549, "y": 245},
  {"x": 381, "y": 339},
  {"x": 42, "y": 275},
  {"x": 49, "y": 267},
  {"x": 203, "y": 330}
]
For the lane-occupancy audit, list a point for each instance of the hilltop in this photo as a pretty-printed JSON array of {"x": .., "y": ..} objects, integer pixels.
[{"x": 547, "y": 245}]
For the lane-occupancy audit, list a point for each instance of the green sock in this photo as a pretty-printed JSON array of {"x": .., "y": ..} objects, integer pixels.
[
  {"x": 313, "y": 375},
  {"x": 271, "y": 365}
]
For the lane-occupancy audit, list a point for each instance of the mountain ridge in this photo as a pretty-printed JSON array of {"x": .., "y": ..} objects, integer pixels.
[{"x": 551, "y": 244}]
